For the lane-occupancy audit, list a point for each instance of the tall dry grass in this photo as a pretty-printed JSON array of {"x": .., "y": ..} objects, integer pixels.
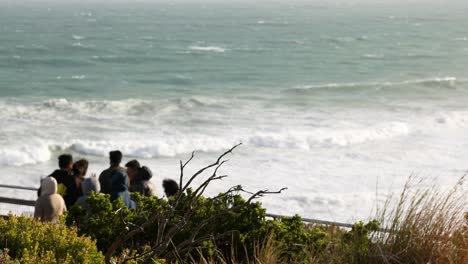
[
  {"x": 425, "y": 226},
  {"x": 264, "y": 252}
]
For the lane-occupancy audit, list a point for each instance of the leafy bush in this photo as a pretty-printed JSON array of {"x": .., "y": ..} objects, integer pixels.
[
  {"x": 292, "y": 238},
  {"x": 26, "y": 240},
  {"x": 357, "y": 241},
  {"x": 244, "y": 228},
  {"x": 106, "y": 221}
]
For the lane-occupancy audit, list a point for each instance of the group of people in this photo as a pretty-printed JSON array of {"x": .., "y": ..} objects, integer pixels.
[{"x": 68, "y": 186}]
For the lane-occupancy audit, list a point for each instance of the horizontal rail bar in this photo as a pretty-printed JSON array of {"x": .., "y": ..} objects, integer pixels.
[
  {"x": 18, "y": 187},
  {"x": 17, "y": 201},
  {"x": 274, "y": 216},
  {"x": 314, "y": 221}
]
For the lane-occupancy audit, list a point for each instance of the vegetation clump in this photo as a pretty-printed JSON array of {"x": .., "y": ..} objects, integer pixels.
[{"x": 26, "y": 240}]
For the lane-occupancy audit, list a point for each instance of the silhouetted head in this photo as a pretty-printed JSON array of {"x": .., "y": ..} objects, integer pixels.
[
  {"x": 146, "y": 173},
  {"x": 170, "y": 187},
  {"x": 65, "y": 162},
  {"x": 80, "y": 168},
  {"x": 133, "y": 168},
  {"x": 115, "y": 158}
]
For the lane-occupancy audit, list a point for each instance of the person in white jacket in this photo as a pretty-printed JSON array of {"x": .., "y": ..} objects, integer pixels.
[{"x": 50, "y": 205}]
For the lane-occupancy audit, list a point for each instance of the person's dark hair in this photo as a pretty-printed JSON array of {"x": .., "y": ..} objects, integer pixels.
[
  {"x": 170, "y": 187},
  {"x": 145, "y": 173},
  {"x": 133, "y": 164},
  {"x": 64, "y": 160},
  {"x": 80, "y": 168},
  {"x": 115, "y": 157}
]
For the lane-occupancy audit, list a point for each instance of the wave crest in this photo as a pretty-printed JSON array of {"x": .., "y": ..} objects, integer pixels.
[
  {"x": 331, "y": 137},
  {"x": 23, "y": 154},
  {"x": 448, "y": 82},
  {"x": 208, "y": 48}
]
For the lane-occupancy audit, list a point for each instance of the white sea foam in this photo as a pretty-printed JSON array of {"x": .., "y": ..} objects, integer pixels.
[
  {"x": 330, "y": 137},
  {"x": 357, "y": 136},
  {"x": 178, "y": 144},
  {"x": 453, "y": 118},
  {"x": 154, "y": 129},
  {"x": 150, "y": 145},
  {"x": 374, "y": 56},
  {"x": 82, "y": 45},
  {"x": 78, "y": 77},
  {"x": 446, "y": 81},
  {"x": 24, "y": 153},
  {"x": 272, "y": 23},
  {"x": 208, "y": 48},
  {"x": 78, "y": 37}
]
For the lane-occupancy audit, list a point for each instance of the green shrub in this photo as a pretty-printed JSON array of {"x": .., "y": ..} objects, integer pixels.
[
  {"x": 357, "y": 241},
  {"x": 244, "y": 227},
  {"x": 107, "y": 221},
  {"x": 291, "y": 236},
  {"x": 26, "y": 240}
]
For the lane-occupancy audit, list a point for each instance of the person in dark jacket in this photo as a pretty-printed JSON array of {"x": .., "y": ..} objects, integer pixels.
[
  {"x": 120, "y": 184},
  {"x": 105, "y": 179},
  {"x": 140, "y": 179},
  {"x": 79, "y": 171},
  {"x": 65, "y": 181}
]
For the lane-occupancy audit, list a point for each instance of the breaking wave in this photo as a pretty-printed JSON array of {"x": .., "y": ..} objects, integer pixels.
[
  {"x": 177, "y": 143},
  {"x": 448, "y": 82},
  {"x": 32, "y": 131},
  {"x": 208, "y": 48}
]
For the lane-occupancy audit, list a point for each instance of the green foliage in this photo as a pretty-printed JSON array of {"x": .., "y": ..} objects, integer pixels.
[
  {"x": 294, "y": 239},
  {"x": 26, "y": 240},
  {"x": 107, "y": 221},
  {"x": 357, "y": 242},
  {"x": 242, "y": 227},
  {"x": 239, "y": 226}
]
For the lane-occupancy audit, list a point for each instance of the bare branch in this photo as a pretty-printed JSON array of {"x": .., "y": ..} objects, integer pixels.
[
  {"x": 182, "y": 167},
  {"x": 213, "y": 177},
  {"x": 262, "y": 193},
  {"x": 206, "y": 185},
  {"x": 218, "y": 161}
]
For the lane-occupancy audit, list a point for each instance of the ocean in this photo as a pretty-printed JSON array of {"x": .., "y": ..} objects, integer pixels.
[{"x": 338, "y": 101}]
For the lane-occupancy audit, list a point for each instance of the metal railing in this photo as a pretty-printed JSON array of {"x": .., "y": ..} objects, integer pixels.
[
  {"x": 18, "y": 187},
  {"x": 15, "y": 201},
  {"x": 21, "y": 206},
  {"x": 314, "y": 221}
]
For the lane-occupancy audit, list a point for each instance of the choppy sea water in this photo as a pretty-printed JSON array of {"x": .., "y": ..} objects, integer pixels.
[{"x": 338, "y": 102}]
